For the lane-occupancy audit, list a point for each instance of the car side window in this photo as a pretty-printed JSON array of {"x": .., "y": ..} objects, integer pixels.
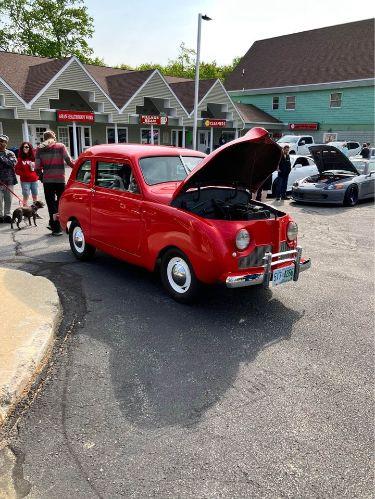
[
  {"x": 116, "y": 176},
  {"x": 84, "y": 172},
  {"x": 308, "y": 140},
  {"x": 301, "y": 162}
]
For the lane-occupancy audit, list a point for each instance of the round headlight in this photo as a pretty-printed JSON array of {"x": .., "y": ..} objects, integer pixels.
[
  {"x": 242, "y": 239},
  {"x": 292, "y": 231}
]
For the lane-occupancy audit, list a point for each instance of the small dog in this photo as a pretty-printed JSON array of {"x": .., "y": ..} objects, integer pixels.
[{"x": 26, "y": 212}]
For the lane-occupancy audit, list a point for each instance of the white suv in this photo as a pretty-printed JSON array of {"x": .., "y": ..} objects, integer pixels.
[
  {"x": 298, "y": 144},
  {"x": 354, "y": 148}
]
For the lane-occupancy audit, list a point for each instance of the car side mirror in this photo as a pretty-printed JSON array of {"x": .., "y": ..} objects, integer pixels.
[{"x": 302, "y": 143}]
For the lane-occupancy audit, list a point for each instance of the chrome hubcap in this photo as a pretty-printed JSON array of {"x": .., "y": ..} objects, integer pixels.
[
  {"x": 179, "y": 275},
  {"x": 78, "y": 239}
]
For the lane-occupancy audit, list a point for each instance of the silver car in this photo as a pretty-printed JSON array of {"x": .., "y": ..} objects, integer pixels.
[{"x": 339, "y": 181}]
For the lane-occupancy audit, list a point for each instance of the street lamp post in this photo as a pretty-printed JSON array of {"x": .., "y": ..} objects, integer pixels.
[{"x": 196, "y": 91}]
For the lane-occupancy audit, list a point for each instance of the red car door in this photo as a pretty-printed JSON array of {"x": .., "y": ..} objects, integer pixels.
[{"x": 116, "y": 217}]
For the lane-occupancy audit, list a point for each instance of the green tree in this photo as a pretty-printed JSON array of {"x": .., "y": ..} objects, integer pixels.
[
  {"x": 49, "y": 28},
  {"x": 184, "y": 66}
]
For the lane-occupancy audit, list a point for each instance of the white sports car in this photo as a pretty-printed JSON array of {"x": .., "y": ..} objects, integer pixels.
[{"x": 302, "y": 166}]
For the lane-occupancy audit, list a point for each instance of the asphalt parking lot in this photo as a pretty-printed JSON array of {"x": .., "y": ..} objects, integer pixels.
[{"x": 248, "y": 393}]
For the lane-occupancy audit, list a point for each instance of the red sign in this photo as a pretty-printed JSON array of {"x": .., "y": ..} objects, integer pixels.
[
  {"x": 214, "y": 123},
  {"x": 303, "y": 126},
  {"x": 148, "y": 119},
  {"x": 83, "y": 116}
]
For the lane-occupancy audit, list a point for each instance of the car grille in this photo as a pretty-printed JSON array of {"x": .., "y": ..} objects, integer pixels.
[
  {"x": 255, "y": 259},
  {"x": 309, "y": 195},
  {"x": 284, "y": 246}
]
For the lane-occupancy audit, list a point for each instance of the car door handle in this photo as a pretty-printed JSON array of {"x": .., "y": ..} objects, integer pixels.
[
  {"x": 123, "y": 206},
  {"x": 77, "y": 197}
]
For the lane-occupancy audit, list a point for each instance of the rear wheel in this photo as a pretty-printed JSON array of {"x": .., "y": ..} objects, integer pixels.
[
  {"x": 80, "y": 248},
  {"x": 351, "y": 196},
  {"x": 178, "y": 277}
]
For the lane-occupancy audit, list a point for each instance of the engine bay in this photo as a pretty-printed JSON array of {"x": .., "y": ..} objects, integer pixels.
[
  {"x": 328, "y": 177},
  {"x": 222, "y": 203}
]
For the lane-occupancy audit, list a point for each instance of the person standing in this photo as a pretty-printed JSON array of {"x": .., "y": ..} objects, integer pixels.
[
  {"x": 50, "y": 159},
  {"x": 365, "y": 152},
  {"x": 283, "y": 174},
  {"x": 25, "y": 168},
  {"x": 7, "y": 179}
]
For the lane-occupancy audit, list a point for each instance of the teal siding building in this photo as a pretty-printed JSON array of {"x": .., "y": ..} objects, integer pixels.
[{"x": 329, "y": 94}]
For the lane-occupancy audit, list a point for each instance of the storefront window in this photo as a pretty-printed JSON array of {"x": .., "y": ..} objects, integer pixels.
[
  {"x": 146, "y": 136},
  {"x": 87, "y": 136},
  {"x": 122, "y": 134},
  {"x": 63, "y": 135}
]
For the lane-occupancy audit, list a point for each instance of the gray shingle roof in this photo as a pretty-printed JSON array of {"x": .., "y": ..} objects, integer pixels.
[
  {"x": 27, "y": 74},
  {"x": 335, "y": 53},
  {"x": 252, "y": 114},
  {"x": 185, "y": 91}
]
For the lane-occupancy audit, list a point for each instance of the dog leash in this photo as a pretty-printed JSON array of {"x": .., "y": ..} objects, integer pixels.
[{"x": 14, "y": 194}]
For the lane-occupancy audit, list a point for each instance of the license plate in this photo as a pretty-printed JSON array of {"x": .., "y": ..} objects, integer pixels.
[{"x": 282, "y": 275}]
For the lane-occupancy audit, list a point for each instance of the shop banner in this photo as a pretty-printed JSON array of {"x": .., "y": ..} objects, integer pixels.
[
  {"x": 81, "y": 116},
  {"x": 148, "y": 119},
  {"x": 303, "y": 126},
  {"x": 215, "y": 123}
]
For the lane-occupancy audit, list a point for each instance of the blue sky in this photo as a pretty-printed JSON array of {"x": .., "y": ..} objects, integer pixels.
[{"x": 133, "y": 32}]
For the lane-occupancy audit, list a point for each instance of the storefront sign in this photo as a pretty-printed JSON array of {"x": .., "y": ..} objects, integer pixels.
[
  {"x": 215, "y": 123},
  {"x": 148, "y": 119},
  {"x": 81, "y": 116},
  {"x": 303, "y": 126}
]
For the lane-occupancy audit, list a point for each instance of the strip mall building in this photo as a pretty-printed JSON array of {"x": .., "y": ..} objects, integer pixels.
[{"x": 87, "y": 105}]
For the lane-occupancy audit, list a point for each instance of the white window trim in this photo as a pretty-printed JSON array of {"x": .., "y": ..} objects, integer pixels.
[
  {"x": 58, "y": 134},
  {"x": 84, "y": 147},
  {"x": 1, "y": 128},
  {"x": 34, "y": 126},
  {"x": 149, "y": 129},
  {"x": 330, "y": 100},
  {"x": 118, "y": 128},
  {"x": 278, "y": 103},
  {"x": 175, "y": 130},
  {"x": 286, "y": 102}
]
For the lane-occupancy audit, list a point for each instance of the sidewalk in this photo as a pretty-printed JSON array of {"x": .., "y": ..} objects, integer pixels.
[{"x": 30, "y": 314}]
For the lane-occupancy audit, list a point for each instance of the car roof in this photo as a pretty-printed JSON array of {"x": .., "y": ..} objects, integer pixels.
[{"x": 138, "y": 150}]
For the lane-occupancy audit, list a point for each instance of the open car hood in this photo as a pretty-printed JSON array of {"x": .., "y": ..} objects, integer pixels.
[
  {"x": 245, "y": 162},
  {"x": 330, "y": 158}
]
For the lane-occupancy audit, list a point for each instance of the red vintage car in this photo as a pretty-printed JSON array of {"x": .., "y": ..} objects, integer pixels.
[{"x": 143, "y": 204}]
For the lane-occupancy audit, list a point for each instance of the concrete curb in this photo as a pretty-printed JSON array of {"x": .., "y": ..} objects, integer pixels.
[{"x": 30, "y": 314}]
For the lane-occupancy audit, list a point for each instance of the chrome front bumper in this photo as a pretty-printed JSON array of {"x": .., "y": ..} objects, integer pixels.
[{"x": 292, "y": 256}]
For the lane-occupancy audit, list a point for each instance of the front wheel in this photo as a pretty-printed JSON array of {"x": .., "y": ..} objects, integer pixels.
[
  {"x": 80, "y": 248},
  {"x": 178, "y": 277},
  {"x": 351, "y": 196}
]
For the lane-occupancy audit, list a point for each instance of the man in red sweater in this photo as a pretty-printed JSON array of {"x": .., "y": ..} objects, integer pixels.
[{"x": 50, "y": 159}]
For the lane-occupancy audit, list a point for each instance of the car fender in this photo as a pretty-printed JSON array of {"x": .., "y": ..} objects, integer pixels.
[{"x": 169, "y": 227}]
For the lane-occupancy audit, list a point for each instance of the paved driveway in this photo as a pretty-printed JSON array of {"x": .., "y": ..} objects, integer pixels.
[{"x": 249, "y": 393}]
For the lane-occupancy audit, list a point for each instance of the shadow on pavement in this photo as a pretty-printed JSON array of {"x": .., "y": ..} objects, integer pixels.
[{"x": 169, "y": 362}]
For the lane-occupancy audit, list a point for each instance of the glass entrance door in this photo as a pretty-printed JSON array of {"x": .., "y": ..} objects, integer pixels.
[
  {"x": 83, "y": 134},
  {"x": 203, "y": 140}
]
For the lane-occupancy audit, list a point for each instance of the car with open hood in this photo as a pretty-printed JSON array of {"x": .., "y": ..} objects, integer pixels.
[
  {"x": 339, "y": 180},
  {"x": 141, "y": 203}
]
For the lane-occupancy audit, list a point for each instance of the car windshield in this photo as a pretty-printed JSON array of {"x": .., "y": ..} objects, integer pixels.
[
  {"x": 159, "y": 169},
  {"x": 191, "y": 162},
  {"x": 288, "y": 138}
]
